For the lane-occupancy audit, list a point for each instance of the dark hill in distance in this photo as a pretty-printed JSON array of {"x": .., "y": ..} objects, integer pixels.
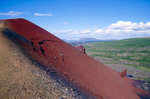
[
  {"x": 88, "y": 39},
  {"x": 85, "y": 40}
]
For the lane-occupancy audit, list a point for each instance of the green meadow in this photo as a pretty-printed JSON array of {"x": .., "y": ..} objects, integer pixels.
[{"x": 132, "y": 52}]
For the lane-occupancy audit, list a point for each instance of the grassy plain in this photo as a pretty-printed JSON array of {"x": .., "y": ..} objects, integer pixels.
[{"x": 132, "y": 52}]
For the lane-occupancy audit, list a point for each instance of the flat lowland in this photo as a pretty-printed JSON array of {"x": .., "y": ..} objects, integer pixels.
[{"x": 131, "y": 54}]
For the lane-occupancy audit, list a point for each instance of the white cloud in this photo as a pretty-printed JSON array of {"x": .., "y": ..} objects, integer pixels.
[
  {"x": 127, "y": 27},
  {"x": 12, "y": 13},
  {"x": 85, "y": 31},
  {"x": 40, "y": 14},
  {"x": 65, "y": 23},
  {"x": 98, "y": 31},
  {"x": 118, "y": 30}
]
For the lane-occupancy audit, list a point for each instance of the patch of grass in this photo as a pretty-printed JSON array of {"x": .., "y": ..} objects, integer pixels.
[{"x": 136, "y": 51}]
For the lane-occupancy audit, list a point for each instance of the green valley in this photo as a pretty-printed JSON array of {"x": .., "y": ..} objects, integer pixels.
[{"x": 131, "y": 52}]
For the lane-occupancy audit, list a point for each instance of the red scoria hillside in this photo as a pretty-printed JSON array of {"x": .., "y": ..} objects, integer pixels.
[{"x": 73, "y": 65}]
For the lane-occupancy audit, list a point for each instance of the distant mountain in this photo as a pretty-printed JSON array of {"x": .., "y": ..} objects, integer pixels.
[
  {"x": 88, "y": 39},
  {"x": 84, "y": 40}
]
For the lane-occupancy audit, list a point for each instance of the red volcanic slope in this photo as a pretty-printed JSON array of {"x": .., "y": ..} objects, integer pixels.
[{"x": 88, "y": 74}]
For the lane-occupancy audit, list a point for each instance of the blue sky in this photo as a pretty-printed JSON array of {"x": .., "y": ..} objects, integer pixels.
[{"x": 74, "y": 19}]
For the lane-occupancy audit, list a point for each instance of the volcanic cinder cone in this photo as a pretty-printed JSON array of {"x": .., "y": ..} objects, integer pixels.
[{"x": 79, "y": 69}]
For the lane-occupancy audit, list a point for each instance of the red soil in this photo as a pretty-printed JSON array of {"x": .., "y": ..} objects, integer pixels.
[{"x": 85, "y": 72}]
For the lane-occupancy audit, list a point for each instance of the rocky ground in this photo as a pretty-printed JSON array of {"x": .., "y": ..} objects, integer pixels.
[
  {"x": 23, "y": 78},
  {"x": 118, "y": 66},
  {"x": 141, "y": 76}
]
